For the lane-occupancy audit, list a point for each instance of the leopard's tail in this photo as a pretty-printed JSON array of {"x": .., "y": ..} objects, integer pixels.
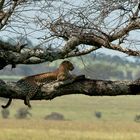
[{"x": 8, "y": 103}]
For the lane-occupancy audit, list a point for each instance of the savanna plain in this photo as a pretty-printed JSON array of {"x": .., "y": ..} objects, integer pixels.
[{"x": 86, "y": 118}]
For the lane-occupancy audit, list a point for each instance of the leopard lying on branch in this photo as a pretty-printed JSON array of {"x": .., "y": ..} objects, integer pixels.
[{"x": 30, "y": 84}]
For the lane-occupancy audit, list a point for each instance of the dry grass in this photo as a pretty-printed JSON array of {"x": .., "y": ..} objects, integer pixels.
[
  {"x": 67, "y": 130},
  {"x": 117, "y": 121},
  {"x": 83, "y": 108}
]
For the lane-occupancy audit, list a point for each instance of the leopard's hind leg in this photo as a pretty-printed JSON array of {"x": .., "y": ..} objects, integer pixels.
[{"x": 31, "y": 93}]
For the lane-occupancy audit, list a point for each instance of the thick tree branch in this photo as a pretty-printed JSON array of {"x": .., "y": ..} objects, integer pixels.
[
  {"x": 132, "y": 25},
  {"x": 6, "y": 46},
  {"x": 71, "y": 45},
  {"x": 19, "y": 54},
  {"x": 80, "y": 85},
  {"x": 124, "y": 50}
]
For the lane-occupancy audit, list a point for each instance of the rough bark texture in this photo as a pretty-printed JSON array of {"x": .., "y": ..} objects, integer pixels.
[{"x": 79, "y": 85}]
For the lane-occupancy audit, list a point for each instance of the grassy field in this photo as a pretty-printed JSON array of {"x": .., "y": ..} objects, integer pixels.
[
  {"x": 83, "y": 108},
  {"x": 67, "y": 130},
  {"x": 116, "y": 123}
]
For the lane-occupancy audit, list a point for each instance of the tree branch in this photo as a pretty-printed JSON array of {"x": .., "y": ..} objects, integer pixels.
[
  {"x": 124, "y": 50},
  {"x": 76, "y": 26},
  {"x": 71, "y": 45},
  {"x": 19, "y": 54},
  {"x": 1, "y": 4},
  {"x": 84, "y": 52},
  {"x": 78, "y": 85},
  {"x": 132, "y": 25},
  {"x": 8, "y": 14}
]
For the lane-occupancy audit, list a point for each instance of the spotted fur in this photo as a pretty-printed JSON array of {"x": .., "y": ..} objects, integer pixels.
[{"x": 30, "y": 85}]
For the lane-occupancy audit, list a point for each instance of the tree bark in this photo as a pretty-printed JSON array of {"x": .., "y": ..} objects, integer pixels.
[{"x": 79, "y": 85}]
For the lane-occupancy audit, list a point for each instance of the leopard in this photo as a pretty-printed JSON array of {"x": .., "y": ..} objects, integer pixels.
[{"x": 30, "y": 85}]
